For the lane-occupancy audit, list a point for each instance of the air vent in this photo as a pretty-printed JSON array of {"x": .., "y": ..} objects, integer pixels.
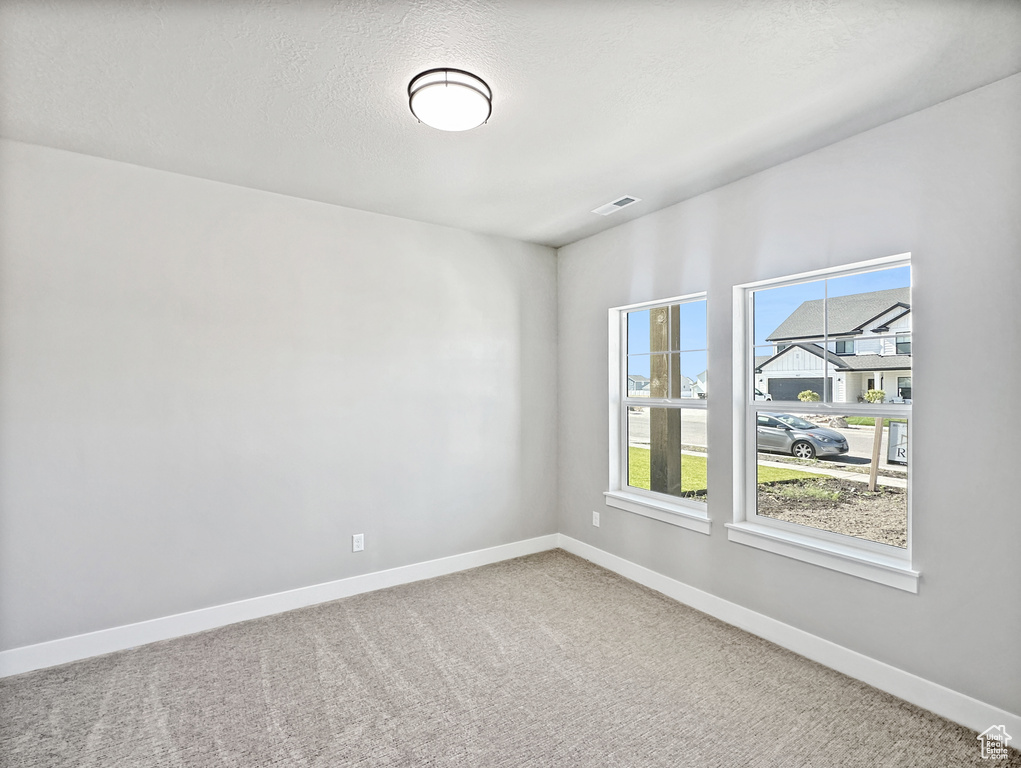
[{"x": 616, "y": 205}]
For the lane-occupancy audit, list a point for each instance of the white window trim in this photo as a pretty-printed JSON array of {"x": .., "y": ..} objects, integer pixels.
[
  {"x": 867, "y": 560},
  {"x": 692, "y": 515}
]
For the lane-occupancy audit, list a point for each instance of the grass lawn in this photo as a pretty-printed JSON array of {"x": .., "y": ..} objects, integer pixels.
[
  {"x": 866, "y": 421},
  {"x": 693, "y": 472}
]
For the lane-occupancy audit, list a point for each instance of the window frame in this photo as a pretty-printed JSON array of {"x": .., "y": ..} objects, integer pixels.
[
  {"x": 881, "y": 563},
  {"x": 679, "y": 511}
]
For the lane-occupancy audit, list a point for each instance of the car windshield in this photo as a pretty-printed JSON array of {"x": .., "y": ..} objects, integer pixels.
[{"x": 794, "y": 421}]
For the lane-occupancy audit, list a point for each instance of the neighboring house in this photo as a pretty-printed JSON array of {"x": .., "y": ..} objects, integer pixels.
[
  {"x": 869, "y": 347},
  {"x": 637, "y": 386},
  {"x": 693, "y": 387},
  {"x": 700, "y": 386}
]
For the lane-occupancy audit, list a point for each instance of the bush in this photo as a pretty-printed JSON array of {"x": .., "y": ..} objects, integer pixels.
[
  {"x": 875, "y": 395},
  {"x": 808, "y": 396}
]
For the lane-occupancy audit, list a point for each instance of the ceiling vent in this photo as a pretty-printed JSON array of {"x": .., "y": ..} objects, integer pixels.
[{"x": 616, "y": 205}]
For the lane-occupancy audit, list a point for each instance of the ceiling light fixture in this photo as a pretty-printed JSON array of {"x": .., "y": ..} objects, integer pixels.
[{"x": 450, "y": 99}]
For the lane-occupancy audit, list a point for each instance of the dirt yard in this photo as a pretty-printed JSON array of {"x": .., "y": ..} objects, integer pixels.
[{"x": 841, "y": 506}]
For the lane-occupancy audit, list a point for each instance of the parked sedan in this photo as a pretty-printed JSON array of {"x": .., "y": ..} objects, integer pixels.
[{"x": 785, "y": 433}]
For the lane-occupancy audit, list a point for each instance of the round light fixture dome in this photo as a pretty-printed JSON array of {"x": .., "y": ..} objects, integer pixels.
[{"x": 450, "y": 99}]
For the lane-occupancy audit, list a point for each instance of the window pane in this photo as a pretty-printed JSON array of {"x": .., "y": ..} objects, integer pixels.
[
  {"x": 659, "y": 376},
  {"x": 864, "y": 284},
  {"x": 638, "y": 332},
  {"x": 876, "y": 370},
  {"x": 694, "y": 478},
  {"x": 873, "y": 306},
  {"x": 693, "y": 330},
  {"x": 659, "y": 329},
  {"x": 638, "y": 376},
  {"x": 788, "y": 328},
  {"x": 667, "y": 451},
  {"x": 760, "y": 380},
  {"x": 788, "y": 313},
  {"x": 675, "y": 327},
  {"x": 694, "y": 374},
  {"x": 834, "y": 382},
  {"x": 638, "y": 446},
  {"x": 818, "y": 475},
  {"x": 788, "y": 376},
  {"x": 654, "y": 449}
]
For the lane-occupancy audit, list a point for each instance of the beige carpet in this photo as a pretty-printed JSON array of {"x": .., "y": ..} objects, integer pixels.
[{"x": 546, "y": 660}]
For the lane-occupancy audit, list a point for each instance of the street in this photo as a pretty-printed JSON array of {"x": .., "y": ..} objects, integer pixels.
[{"x": 693, "y": 432}]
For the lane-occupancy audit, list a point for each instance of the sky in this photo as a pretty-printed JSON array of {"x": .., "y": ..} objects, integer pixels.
[{"x": 692, "y": 337}]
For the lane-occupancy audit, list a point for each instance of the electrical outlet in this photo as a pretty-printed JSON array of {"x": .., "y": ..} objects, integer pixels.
[
  {"x": 358, "y": 542},
  {"x": 595, "y": 518}
]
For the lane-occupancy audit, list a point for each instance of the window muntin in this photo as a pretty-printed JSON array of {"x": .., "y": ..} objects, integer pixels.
[
  {"x": 660, "y": 455},
  {"x": 808, "y": 492}
]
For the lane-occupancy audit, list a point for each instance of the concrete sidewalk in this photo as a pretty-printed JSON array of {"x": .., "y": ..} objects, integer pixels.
[{"x": 843, "y": 474}]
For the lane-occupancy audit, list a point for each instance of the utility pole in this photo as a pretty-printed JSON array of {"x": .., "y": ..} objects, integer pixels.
[
  {"x": 664, "y": 423},
  {"x": 877, "y": 441}
]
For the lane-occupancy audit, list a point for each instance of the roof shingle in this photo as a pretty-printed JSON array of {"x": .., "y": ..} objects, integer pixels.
[{"x": 846, "y": 314}]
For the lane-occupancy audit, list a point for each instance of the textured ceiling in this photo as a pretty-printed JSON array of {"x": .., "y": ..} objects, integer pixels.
[{"x": 592, "y": 99}]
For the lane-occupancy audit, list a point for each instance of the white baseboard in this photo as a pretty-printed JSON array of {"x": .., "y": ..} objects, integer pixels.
[
  {"x": 29, "y": 657},
  {"x": 971, "y": 713}
]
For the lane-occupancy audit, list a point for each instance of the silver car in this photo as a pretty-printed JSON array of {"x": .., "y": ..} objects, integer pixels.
[{"x": 784, "y": 433}]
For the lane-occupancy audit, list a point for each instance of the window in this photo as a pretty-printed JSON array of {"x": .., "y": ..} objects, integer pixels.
[
  {"x": 659, "y": 386},
  {"x": 807, "y": 484},
  {"x": 903, "y": 344}
]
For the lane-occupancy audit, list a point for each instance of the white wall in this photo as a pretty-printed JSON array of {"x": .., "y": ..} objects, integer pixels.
[
  {"x": 205, "y": 390},
  {"x": 944, "y": 184}
]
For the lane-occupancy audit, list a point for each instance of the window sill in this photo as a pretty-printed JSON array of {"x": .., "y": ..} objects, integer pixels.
[
  {"x": 674, "y": 514},
  {"x": 866, "y": 565}
]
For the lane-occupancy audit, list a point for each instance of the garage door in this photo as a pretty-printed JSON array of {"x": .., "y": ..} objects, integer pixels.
[{"x": 788, "y": 389}]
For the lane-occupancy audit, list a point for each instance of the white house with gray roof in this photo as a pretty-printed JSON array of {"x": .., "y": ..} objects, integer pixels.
[{"x": 863, "y": 342}]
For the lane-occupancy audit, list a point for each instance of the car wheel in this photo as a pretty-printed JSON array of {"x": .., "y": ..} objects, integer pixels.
[{"x": 803, "y": 450}]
